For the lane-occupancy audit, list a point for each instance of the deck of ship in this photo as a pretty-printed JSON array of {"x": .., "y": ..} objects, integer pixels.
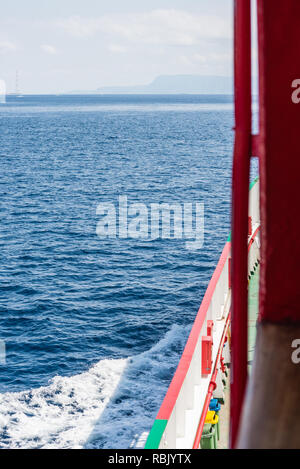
[
  {"x": 224, "y": 415},
  {"x": 252, "y": 313}
]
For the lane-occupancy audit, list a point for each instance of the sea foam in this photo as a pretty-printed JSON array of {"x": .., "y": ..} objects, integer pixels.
[{"x": 112, "y": 405}]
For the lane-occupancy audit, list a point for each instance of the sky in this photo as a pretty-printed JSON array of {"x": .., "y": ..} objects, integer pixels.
[{"x": 65, "y": 45}]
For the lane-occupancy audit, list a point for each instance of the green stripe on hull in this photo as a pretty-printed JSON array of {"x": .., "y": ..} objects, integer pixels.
[
  {"x": 156, "y": 434},
  {"x": 253, "y": 183}
]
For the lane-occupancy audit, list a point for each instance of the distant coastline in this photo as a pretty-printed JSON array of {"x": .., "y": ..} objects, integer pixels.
[{"x": 172, "y": 84}]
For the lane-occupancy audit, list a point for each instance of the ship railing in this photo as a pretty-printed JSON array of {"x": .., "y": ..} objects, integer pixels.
[
  {"x": 180, "y": 420},
  {"x": 253, "y": 251},
  {"x": 185, "y": 398},
  {"x": 254, "y": 228}
]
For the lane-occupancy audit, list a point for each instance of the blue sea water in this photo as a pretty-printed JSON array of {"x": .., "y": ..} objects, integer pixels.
[{"x": 94, "y": 327}]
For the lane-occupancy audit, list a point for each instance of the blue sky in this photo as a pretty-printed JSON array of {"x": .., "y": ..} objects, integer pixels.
[{"x": 64, "y": 45}]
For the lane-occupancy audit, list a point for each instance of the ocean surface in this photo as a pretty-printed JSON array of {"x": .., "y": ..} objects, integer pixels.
[{"x": 94, "y": 328}]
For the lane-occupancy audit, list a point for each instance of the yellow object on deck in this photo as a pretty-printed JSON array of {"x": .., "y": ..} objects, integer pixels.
[{"x": 211, "y": 417}]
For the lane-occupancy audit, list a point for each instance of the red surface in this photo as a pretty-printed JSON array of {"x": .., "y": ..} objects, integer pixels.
[
  {"x": 279, "y": 62},
  {"x": 178, "y": 379},
  {"x": 210, "y": 326},
  {"x": 206, "y": 355},
  {"x": 211, "y": 388},
  {"x": 249, "y": 226},
  {"x": 255, "y": 145},
  {"x": 240, "y": 198},
  {"x": 251, "y": 241}
]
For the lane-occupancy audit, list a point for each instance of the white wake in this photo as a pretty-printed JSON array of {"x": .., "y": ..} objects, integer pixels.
[{"x": 112, "y": 405}]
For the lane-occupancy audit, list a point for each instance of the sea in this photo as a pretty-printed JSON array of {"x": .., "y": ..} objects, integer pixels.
[{"x": 93, "y": 327}]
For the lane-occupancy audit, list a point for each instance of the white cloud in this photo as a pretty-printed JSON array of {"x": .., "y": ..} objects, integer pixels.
[
  {"x": 199, "y": 58},
  {"x": 117, "y": 48},
  {"x": 49, "y": 49},
  {"x": 214, "y": 58},
  {"x": 207, "y": 63},
  {"x": 6, "y": 47},
  {"x": 167, "y": 27}
]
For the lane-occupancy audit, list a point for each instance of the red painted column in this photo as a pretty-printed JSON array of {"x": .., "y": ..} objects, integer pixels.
[
  {"x": 279, "y": 63},
  {"x": 240, "y": 197}
]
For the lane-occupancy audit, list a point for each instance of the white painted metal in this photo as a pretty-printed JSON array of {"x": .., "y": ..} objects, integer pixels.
[
  {"x": 253, "y": 256},
  {"x": 183, "y": 422}
]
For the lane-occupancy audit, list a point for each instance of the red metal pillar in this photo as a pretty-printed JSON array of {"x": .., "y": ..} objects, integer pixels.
[
  {"x": 279, "y": 64},
  {"x": 274, "y": 386},
  {"x": 240, "y": 197}
]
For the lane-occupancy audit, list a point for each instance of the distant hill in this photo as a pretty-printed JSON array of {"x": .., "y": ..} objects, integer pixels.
[
  {"x": 173, "y": 84},
  {"x": 177, "y": 84}
]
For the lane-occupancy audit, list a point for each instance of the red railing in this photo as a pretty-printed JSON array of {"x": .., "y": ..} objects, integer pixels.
[
  {"x": 251, "y": 241},
  {"x": 182, "y": 369},
  {"x": 212, "y": 384},
  {"x": 211, "y": 388}
]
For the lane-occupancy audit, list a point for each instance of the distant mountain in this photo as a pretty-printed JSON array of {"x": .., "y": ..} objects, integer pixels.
[
  {"x": 173, "y": 84},
  {"x": 177, "y": 84}
]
